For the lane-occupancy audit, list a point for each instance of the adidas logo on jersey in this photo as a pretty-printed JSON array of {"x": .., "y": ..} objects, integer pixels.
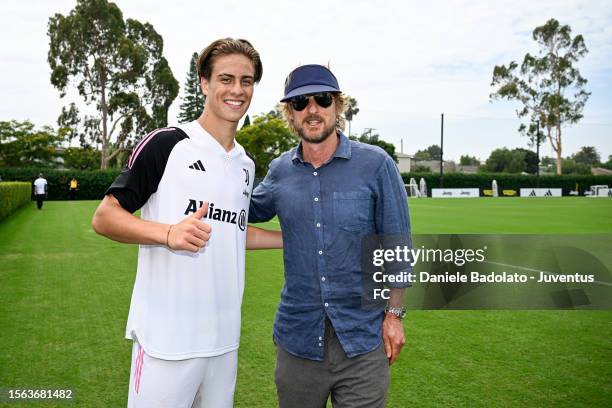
[
  {"x": 197, "y": 166},
  {"x": 218, "y": 214}
]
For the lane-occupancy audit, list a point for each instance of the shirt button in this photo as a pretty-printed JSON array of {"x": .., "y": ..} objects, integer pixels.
[
  {"x": 316, "y": 198},
  {"x": 318, "y": 225},
  {"x": 323, "y": 279},
  {"x": 320, "y": 338},
  {"x": 326, "y": 304},
  {"x": 320, "y": 252},
  {"x": 320, "y": 344},
  {"x": 315, "y": 174}
]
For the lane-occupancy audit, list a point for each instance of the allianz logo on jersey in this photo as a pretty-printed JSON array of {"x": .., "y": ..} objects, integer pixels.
[{"x": 218, "y": 214}]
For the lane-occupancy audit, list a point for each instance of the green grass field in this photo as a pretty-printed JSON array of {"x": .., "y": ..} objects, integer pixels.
[{"x": 64, "y": 298}]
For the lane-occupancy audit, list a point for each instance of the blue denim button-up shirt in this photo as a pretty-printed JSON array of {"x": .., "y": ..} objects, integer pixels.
[{"x": 323, "y": 214}]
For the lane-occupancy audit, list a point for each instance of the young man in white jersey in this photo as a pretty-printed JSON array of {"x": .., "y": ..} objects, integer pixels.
[
  {"x": 40, "y": 190},
  {"x": 193, "y": 185}
]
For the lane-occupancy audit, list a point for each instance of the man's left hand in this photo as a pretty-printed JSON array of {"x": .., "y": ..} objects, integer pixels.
[{"x": 393, "y": 336}]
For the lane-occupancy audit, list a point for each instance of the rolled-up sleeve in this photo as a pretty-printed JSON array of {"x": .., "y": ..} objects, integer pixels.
[{"x": 392, "y": 217}]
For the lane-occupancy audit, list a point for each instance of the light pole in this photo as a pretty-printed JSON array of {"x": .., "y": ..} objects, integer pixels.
[
  {"x": 538, "y": 154},
  {"x": 441, "y": 149},
  {"x": 368, "y": 131}
]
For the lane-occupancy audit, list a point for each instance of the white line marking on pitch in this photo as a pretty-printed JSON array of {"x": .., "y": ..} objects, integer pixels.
[{"x": 538, "y": 271}]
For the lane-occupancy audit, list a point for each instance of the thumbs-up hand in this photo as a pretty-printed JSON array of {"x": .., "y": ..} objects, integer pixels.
[
  {"x": 191, "y": 234},
  {"x": 202, "y": 211}
]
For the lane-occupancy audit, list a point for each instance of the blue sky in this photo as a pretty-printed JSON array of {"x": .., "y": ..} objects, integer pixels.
[{"x": 405, "y": 62}]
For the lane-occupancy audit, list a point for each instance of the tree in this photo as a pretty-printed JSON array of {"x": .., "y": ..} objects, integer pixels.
[
  {"x": 570, "y": 166},
  {"x": 548, "y": 85},
  {"x": 351, "y": 111},
  {"x": 547, "y": 161},
  {"x": 587, "y": 155},
  {"x": 374, "y": 139},
  {"x": 265, "y": 139},
  {"x": 86, "y": 128},
  {"x": 422, "y": 155},
  {"x": 81, "y": 158},
  {"x": 247, "y": 121},
  {"x": 193, "y": 100},
  {"x": 117, "y": 65},
  {"x": 498, "y": 161},
  {"x": 530, "y": 159},
  {"x": 511, "y": 161},
  {"x": 21, "y": 145},
  {"x": 433, "y": 152},
  {"x": 608, "y": 164},
  {"x": 466, "y": 160}
]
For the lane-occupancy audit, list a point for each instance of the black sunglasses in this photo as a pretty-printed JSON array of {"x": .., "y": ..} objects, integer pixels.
[{"x": 323, "y": 99}]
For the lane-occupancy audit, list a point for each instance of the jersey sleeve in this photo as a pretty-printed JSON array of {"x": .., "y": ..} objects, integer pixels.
[{"x": 145, "y": 168}]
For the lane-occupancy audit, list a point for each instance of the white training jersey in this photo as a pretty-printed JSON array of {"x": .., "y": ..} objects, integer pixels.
[
  {"x": 39, "y": 185},
  {"x": 187, "y": 305}
]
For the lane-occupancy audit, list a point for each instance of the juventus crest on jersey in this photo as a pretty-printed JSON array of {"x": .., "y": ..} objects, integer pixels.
[{"x": 187, "y": 305}]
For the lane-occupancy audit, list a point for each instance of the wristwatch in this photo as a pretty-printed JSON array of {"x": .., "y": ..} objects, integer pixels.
[{"x": 399, "y": 312}]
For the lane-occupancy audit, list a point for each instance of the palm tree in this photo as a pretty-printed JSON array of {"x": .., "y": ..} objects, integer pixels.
[{"x": 351, "y": 111}]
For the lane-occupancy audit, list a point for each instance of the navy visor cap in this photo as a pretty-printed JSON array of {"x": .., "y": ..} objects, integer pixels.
[{"x": 309, "y": 79}]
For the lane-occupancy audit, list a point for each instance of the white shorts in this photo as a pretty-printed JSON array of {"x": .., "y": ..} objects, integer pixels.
[{"x": 204, "y": 382}]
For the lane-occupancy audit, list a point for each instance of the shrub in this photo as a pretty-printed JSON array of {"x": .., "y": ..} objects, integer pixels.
[{"x": 12, "y": 196}]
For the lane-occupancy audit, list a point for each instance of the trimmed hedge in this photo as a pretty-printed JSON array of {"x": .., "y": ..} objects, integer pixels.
[
  {"x": 92, "y": 184},
  {"x": 12, "y": 196},
  {"x": 509, "y": 181}
]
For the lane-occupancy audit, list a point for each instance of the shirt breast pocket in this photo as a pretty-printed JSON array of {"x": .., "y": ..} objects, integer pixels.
[{"x": 353, "y": 210}]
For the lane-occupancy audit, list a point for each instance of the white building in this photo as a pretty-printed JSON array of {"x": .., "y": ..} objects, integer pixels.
[{"x": 404, "y": 162}]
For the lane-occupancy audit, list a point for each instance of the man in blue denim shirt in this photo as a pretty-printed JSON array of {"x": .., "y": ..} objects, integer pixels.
[{"x": 329, "y": 192}]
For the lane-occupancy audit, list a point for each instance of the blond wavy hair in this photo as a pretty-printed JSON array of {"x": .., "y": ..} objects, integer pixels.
[{"x": 340, "y": 101}]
